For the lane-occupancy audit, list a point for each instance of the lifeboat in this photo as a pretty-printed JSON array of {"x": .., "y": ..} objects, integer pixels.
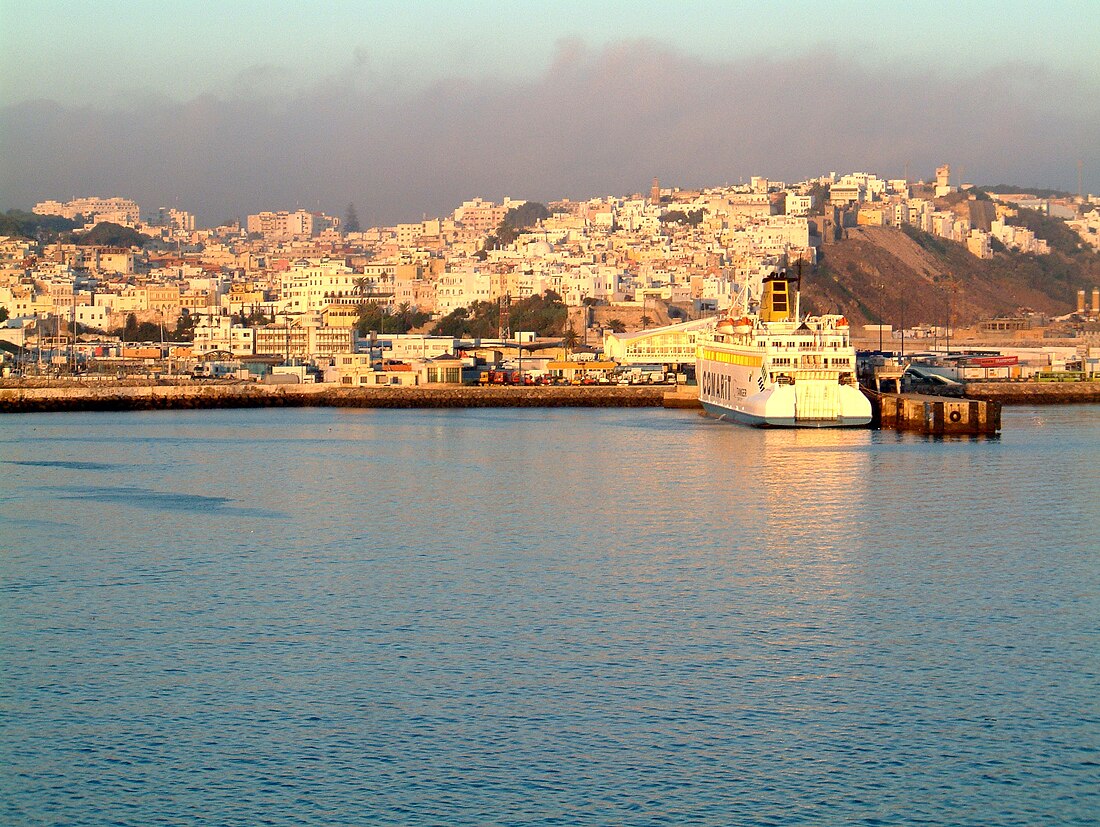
[
  {"x": 725, "y": 326},
  {"x": 841, "y": 322},
  {"x": 742, "y": 325}
]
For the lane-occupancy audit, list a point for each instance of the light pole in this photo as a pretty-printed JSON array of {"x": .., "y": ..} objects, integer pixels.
[
  {"x": 881, "y": 290},
  {"x": 903, "y": 328},
  {"x": 950, "y": 290}
]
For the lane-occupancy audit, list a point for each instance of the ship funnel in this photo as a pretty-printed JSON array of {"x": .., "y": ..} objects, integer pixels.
[
  {"x": 1080, "y": 301},
  {"x": 778, "y": 302}
]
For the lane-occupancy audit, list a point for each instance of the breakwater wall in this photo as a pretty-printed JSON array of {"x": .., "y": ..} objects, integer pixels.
[
  {"x": 1034, "y": 393},
  {"x": 164, "y": 397}
]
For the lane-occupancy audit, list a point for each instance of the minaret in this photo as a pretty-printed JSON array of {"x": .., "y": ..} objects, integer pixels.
[{"x": 655, "y": 193}]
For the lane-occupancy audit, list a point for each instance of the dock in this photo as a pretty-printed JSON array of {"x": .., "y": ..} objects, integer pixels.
[{"x": 935, "y": 415}]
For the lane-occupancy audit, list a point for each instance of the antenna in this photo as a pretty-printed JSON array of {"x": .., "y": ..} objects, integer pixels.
[{"x": 1080, "y": 167}]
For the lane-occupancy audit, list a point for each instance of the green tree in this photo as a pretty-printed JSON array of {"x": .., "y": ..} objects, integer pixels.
[
  {"x": 518, "y": 219},
  {"x": 185, "y": 328},
  {"x": 3, "y": 314},
  {"x": 129, "y": 331},
  {"x": 616, "y": 325},
  {"x": 148, "y": 332},
  {"x": 376, "y": 317},
  {"x": 545, "y": 315},
  {"x": 454, "y": 324},
  {"x": 107, "y": 234},
  {"x": 692, "y": 218},
  {"x": 351, "y": 220},
  {"x": 32, "y": 225}
]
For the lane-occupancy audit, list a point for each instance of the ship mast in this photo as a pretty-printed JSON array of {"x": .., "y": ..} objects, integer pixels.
[{"x": 798, "y": 293}]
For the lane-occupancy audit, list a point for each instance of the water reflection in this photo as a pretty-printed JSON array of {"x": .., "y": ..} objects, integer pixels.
[{"x": 627, "y": 616}]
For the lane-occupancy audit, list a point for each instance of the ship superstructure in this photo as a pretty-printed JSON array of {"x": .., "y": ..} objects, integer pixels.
[{"x": 773, "y": 368}]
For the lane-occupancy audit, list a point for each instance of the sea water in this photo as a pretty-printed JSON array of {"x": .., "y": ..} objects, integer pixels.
[{"x": 323, "y": 616}]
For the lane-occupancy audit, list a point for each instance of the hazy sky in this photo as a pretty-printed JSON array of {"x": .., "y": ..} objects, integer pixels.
[{"x": 407, "y": 108}]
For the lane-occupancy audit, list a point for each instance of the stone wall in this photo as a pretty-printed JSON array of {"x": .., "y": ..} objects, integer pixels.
[
  {"x": 154, "y": 397},
  {"x": 1034, "y": 393}
]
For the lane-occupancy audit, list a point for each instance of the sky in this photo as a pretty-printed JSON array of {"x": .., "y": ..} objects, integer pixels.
[{"x": 406, "y": 109}]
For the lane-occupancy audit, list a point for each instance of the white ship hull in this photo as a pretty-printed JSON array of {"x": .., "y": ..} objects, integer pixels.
[{"x": 817, "y": 398}]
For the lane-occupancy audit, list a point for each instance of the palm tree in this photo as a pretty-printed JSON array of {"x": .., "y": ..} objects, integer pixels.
[
  {"x": 616, "y": 325},
  {"x": 361, "y": 285},
  {"x": 569, "y": 339}
]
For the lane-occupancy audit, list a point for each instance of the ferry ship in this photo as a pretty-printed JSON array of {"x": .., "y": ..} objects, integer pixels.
[{"x": 776, "y": 369}]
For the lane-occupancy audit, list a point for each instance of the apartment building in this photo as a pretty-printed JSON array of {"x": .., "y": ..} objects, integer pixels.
[
  {"x": 93, "y": 210},
  {"x": 290, "y": 226}
]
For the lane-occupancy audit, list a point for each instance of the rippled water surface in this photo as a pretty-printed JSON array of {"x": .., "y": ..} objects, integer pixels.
[{"x": 546, "y": 616}]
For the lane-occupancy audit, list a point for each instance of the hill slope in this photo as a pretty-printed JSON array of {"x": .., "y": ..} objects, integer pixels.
[{"x": 882, "y": 274}]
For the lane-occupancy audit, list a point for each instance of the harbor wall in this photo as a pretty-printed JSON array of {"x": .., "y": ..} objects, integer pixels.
[
  {"x": 157, "y": 397},
  {"x": 1034, "y": 393}
]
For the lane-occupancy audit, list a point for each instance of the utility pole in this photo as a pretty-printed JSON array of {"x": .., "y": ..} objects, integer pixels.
[
  {"x": 950, "y": 290},
  {"x": 72, "y": 341},
  {"x": 881, "y": 298},
  {"x": 903, "y": 328}
]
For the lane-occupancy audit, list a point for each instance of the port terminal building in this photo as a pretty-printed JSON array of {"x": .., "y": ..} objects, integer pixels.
[{"x": 672, "y": 345}]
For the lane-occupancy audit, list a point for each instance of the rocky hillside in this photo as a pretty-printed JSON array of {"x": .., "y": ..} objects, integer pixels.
[{"x": 883, "y": 274}]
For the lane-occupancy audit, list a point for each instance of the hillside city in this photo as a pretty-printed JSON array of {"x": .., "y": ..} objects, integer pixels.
[{"x": 305, "y": 288}]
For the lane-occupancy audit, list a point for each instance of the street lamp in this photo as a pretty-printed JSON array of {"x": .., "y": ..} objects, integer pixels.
[
  {"x": 881, "y": 288},
  {"x": 950, "y": 290},
  {"x": 903, "y": 328}
]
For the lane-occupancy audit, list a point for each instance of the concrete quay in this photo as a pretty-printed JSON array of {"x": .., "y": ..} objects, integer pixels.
[
  {"x": 1034, "y": 393},
  {"x": 101, "y": 397}
]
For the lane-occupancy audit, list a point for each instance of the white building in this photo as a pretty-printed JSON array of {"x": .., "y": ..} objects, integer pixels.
[
  {"x": 799, "y": 205},
  {"x": 310, "y": 284},
  {"x": 93, "y": 210}
]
